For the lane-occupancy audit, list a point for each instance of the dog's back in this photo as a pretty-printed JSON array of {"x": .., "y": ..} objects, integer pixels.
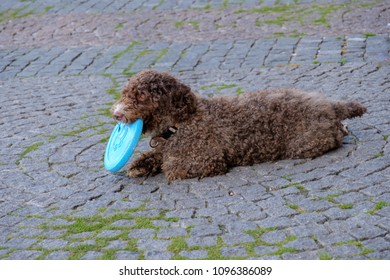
[{"x": 276, "y": 124}]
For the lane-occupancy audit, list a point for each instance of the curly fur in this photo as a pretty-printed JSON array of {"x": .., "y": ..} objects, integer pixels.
[{"x": 218, "y": 133}]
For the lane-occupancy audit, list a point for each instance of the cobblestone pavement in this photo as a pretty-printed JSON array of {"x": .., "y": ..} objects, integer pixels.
[{"x": 63, "y": 63}]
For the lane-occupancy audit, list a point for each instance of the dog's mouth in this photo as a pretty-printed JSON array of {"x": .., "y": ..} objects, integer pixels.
[{"x": 120, "y": 118}]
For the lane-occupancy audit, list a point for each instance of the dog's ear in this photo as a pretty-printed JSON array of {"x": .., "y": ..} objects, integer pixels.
[{"x": 183, "y": 102}]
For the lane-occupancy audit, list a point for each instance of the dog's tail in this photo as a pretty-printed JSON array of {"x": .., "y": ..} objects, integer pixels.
[{"x": 349, "y": 109}]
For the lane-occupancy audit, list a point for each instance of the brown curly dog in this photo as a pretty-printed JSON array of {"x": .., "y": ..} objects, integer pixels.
[{"x": 193, "y": 136}]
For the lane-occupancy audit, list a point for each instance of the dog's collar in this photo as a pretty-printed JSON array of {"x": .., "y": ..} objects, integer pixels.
[
  {"x": 165, "y": 135},
  {"x": 168, "y": 132}
]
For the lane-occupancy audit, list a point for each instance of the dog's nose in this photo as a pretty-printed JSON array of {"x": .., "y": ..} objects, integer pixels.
[{"x": 118, "y": 115}]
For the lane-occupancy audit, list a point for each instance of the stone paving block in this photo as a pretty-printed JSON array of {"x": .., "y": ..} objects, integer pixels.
[
  {"x": 265, "y": 250},
  {"x": 82, "y": 243},
  {"x": 58, "y": 255},
  {"x": 308, "y": 230},
  {"x": 158, "y": 255},
  {"x": 274, "y": 236},
  {"x": 343, "y": 251},
  {"x": 205, "y": 241},
  {"x": 3, "y": 253},
  {"x": 20, "y": 243},
  {"x": 123, "y": 223},
  {"x": 211, "y": 211},
  {"x": 302, "y": 244},
  {"x": 24, "y": 255},
  {"x": 365, "y": 233},
  {"x": 142, "y": 233},
  {"x": 9, "y": 221},
  {"x": 153, "y": 244},
  {"x": 308, "y": 218},
  {"x": 126, "y": 255},
  {"x": 338, "y": 214},
  {"x": 235, "y": 239},
  {"x": 166, "y": 233},
  {"x": 237, "y": 251},
  {"x": 307, "y": 255},
  {"x": 237, "y": 227},
  {"x": 277, "y": 222},
  {"x": 195, "y": 254},
  {"x": 377, "y": 244},
  {"x": 116, "y": 244},
  {"x": 205, "y": 230},
  {"x": 184, "y": 214},
  {"x": 190, "y": 203},
  {"x": 92, "y": 255},
  {"x": 50, "y": 244}
]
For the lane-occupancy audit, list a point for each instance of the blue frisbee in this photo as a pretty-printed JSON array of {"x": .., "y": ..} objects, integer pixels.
[{"x": 123, "y": 140}]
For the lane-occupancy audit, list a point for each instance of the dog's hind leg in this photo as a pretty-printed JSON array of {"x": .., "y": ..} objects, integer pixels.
[
  {"x": 198, "y": 166},
  {"x": 315, "y": 142}
]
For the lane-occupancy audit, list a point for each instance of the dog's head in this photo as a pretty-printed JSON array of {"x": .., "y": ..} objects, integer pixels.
[{"x": 157, "y": 98}]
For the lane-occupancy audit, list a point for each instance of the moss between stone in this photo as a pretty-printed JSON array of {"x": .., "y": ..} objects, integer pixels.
[{"x": 29, "y": 149}]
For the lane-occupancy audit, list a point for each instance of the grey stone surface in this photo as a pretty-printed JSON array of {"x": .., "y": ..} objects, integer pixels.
[
  {"x": 126, "y": 255},
  {"x": 195, "y": 254},
  {"x": 63, "y": 63}
]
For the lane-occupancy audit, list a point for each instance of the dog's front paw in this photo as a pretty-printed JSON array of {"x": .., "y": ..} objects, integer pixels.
[
  {"x": 147, "y": 164},
  {"x": 138, "y": 172}
]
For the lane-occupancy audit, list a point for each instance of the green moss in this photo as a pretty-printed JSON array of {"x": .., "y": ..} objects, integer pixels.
[
  {"x": 195, "y": 24},
  {"x": 257, "y": 234},
  {"x": 178, "y": 244},
  {"x": 343, "y": 61},
  {"x": 270, "y": 9},
  {"x": 161, "y": 54},
  {"x": 114, "y": 89},
  {"x": 301, "y": 188},
  {"x": 331, "y": 198},
  {"x": 378, "y": 206},
  {"x": 325, "y": 256},
  {"x": 95, "y": 224},
  {"x": 75, "y": 131},
  {"x": 296, "y": 208},
  {"x": 118, "y": 26},
  {"x": 129, "y": 48},
  {"x": 276, "y": 34},
  {"x": 214, "y": 252},
  {"x": 364, "y": 250},
  {"x": 15, "y": 13},
  {"x": 381, "y": 154},
  {"x": 284, "y": 14},
  {"x": 222, "y": 87},
  {"x": 369, "y": 35},
  {"x": 179, "y": 24},
  {"x": 225, "y": 4},
  {"x": 142, "y": 53},
  {"x": 296, "y": 34},
  {"x": 287, "y": 177},
  {"x": 205, "y": 7},
  {"x": 325, "y": 10},
  {"x": 239, "y": 91},
  {"x": 346, "y": 206},
  {"x": 158, "y": 5},
  {"x": 29, "y": 149}
]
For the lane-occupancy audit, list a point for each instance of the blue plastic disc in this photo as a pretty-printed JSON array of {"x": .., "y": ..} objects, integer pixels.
[{"x": 123, "y": 140}]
